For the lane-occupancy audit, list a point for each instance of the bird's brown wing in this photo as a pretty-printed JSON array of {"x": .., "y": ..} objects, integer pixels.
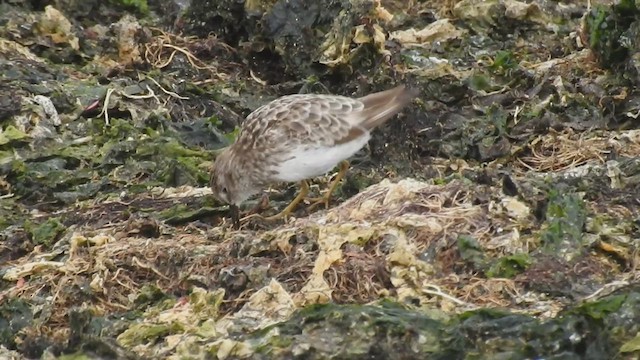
[
  {"x": 297, "y": 119},
  {"x": 322, "y": 120}
]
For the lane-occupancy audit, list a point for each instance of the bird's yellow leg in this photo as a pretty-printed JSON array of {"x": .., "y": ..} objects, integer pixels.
[
  {"x": 344, "y": 166},
  {"x": 304, "y": 190}
]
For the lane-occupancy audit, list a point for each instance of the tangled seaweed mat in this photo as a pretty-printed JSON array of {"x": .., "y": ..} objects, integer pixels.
[{"x": 267, "y": 288}]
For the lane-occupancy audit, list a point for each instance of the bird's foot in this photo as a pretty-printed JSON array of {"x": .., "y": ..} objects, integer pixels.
[
  {"x": 315, "y": 202},
  {"x": 304, "y": 190}
]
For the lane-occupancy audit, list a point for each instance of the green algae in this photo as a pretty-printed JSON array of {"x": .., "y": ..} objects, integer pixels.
[
  {"x": 565, "y": 222},
  {"x": 16, "y": 314},
  {"x": 509, "y": 266},
  {"x": 605, "y": 26},
  {"x": 11, "y": 134},
  {"x": 45, "y": 233}
]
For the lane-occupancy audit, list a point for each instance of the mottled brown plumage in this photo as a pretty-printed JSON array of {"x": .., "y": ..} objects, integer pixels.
[{"x": 297, "y": 137}]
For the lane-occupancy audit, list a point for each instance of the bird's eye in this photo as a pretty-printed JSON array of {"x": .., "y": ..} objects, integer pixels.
[{"x": 224, "y": 190}]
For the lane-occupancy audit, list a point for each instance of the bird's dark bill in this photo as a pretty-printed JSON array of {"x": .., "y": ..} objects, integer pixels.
[{"x": 235, "y": 216}]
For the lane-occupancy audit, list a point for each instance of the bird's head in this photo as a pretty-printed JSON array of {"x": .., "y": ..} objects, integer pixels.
[
  {"x": 227, "y": 183},
  {"x": 224, "y": 180},
  {"x": 232, "y": 179}
]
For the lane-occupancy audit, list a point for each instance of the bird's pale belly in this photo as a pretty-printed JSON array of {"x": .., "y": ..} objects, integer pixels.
[{"x": 311, "y": 162}]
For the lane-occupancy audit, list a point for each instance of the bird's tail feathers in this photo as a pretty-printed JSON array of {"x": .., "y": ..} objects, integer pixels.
[{"x": 380, "y": 106}]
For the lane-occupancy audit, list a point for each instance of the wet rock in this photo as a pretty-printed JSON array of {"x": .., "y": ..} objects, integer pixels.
[{"x": 610, "y": 32}]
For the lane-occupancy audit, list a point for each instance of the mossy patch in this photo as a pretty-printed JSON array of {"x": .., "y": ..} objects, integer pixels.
[{"x": 45, "y": 233}]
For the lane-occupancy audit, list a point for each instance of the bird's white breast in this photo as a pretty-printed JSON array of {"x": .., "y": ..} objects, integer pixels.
[{"x": 308, "y": 162}]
